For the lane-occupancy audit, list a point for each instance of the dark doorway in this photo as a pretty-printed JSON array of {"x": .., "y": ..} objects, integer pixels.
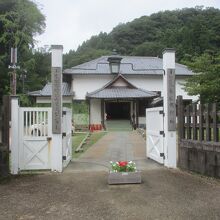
[{"x": 118, "y": 110}]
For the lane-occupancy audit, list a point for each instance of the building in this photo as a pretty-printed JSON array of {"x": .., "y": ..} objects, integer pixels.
[{"x": 121, "y": 87}]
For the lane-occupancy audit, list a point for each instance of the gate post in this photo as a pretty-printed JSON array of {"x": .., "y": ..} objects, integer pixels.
[
  {"x": 4, "y": 139},
  {"x": 14, "y": 135},
  {"x": 56, "y": 103},
  {"x": 169, "y": 94}
]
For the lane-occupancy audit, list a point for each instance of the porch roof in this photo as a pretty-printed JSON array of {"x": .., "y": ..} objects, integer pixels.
[
  {"x": 127, "y": 90},
  {"x": 47, "y": 90},
  {"x": 120, "y": 93}
]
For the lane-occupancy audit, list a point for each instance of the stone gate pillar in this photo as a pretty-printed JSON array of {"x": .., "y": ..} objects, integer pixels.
[
  {"x": 56, "y": 103},
  {"x": 169, "y": 96}
]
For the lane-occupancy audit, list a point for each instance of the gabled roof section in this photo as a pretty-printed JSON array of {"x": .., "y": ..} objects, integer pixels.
[
  {"x": 47, "y": 90},
  {"x": 130, "y": 65},
  {"x": 128, "y": 90},
  {"x": 119, "y": 77}
]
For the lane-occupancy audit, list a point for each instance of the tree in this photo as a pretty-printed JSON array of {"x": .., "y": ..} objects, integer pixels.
[
  {"x": 20, "y": 21},
  {"x": 206, "y": 81},
  {"x": 189, "y": 30}
]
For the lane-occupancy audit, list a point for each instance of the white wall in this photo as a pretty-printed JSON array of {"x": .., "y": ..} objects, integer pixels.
[
  {"x": 180, "y": 89},
  {"x": 95, "y": 111},
  {"x": 83, "y": 84}
]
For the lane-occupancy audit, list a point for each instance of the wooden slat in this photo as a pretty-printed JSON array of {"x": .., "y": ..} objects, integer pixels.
[
  {"x": 201, "y": 130},
  {"x": 207, "y": 123},
  {"x": 180, "y": 112},
  {"x": 188, "y": 122},
  {"x": 215, "y": 129},
  {"x": 195, "y": 136}
]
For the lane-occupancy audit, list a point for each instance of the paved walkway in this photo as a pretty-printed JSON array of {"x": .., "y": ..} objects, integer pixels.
[
  {"x": 114, "y": 146},
  {"x": 118, "y": 125}
]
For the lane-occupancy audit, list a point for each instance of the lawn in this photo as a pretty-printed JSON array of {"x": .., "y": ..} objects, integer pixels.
[{"x": 78, "y": 137}]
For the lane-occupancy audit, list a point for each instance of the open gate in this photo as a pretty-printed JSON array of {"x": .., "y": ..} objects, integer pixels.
[
  {"x": 155, "y": 134},
  {"x": 35, "y": 138},
  {"x": 67, "y": 136}
]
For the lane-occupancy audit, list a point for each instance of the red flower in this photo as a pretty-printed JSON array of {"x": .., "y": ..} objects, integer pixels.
[{"x": 122, "y": 163}]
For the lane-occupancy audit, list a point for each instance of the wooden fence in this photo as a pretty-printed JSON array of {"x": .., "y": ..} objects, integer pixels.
[
  {"x": 4, "y": 145},
  {"x": 198, "y": 137}
]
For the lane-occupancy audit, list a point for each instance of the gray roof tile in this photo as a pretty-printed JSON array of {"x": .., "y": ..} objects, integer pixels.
[
  {"x": 47, "y": 90},
  {"x": 129, "y": 65},
  {"x": 121, "y": 92}
]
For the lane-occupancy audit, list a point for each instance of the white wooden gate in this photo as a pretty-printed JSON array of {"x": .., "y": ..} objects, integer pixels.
[
  {"x": 155, "y": 134},
  {"x": 35, "y": 138},
  {"x": 67, "y": 136}
]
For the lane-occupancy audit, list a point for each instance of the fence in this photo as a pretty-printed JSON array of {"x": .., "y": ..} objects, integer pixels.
[{"x": 198, "y": 137}]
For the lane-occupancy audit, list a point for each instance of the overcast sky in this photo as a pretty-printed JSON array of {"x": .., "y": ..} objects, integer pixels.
[{"x": 70, "y": 22}]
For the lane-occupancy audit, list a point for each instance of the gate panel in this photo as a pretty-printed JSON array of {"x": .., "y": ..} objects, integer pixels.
[
  {"x": 154, "y": 134},
  {"x": 35, "y": 138},
  {"x": 67, "y": 136}
]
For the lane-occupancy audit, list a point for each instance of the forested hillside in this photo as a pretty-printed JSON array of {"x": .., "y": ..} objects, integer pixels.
[{"x": 191, "y": 31}]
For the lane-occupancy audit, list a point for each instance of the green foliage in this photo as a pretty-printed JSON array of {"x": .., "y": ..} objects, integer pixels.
[
  {"x": 25, "y": 101},
  {"x": 20, "y": 21},
  {"x": 189, "y": 31},
  {"x": 206, "y": 81},
  {"x": 81, "y": 119},
  {"x": 80, "y": 107},
  {"x": 123, "y": 166},
  {"x": 77, "y": 139},
  {"x": 74, "y": 58}
]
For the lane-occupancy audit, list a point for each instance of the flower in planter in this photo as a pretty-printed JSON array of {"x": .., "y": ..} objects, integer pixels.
[{"x": 123, "y": 166}]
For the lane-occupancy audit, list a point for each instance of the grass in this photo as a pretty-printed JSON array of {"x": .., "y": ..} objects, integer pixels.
[{"x": 78, "y": 137}]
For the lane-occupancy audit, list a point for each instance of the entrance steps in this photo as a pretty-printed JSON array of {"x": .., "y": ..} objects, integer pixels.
[{"x": 118, "y": 125}]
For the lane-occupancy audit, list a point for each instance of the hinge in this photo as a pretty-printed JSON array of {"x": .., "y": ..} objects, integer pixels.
[
  {"x": 162, "y": 155},
  {"x": 64, "y": 112},
  {"x": 162, "y": 133},
  {"x": 161, "y": 112},
  {"x": 64, "y": 157},
  {"x": 64, "y": 134}
]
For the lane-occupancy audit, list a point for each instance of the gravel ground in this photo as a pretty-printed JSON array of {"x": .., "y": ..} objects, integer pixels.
[
  {"x": 82, "y": 192},
  {"x": 164, "y": 194}
]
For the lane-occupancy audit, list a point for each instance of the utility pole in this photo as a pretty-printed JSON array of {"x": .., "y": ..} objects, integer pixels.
[{"x": 14, "y": 67}]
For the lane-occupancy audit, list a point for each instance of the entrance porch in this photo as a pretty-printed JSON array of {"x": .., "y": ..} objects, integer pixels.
[
  {"x": 118, "y": 100},
  {"x": 117, "y": 114}
]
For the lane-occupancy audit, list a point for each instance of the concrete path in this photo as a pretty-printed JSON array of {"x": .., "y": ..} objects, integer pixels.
[
  {"x": 118, "y": 125},
  {"x": 114, "y": 146}
]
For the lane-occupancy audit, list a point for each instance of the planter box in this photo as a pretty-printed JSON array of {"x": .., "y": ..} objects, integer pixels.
[{"x": 124, "y": 178}]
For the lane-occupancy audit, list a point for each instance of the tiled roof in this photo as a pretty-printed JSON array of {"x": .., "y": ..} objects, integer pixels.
[
  {"x": 129, "y": 65},
  {"x": 47, "y": 90},
  {"x": 121, "y": 92},
  {"x": 128, "y": 91}
]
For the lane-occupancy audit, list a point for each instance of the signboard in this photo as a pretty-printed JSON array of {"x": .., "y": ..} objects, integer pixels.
[
  {"x": 171, "y": 100},
  {"x": 56, "y": 100}
]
